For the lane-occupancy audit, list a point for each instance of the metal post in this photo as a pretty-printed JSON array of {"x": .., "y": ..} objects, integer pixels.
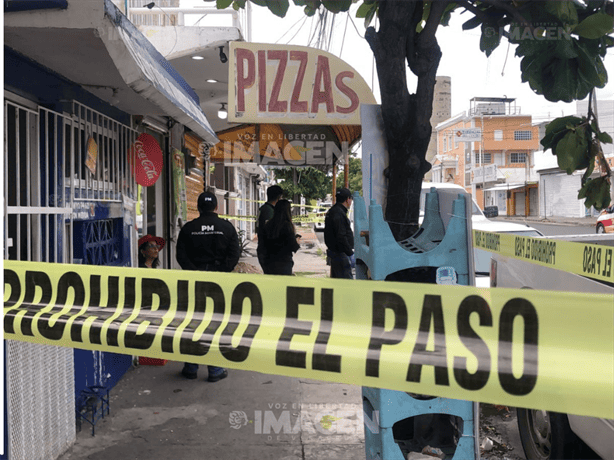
[
  {"x": 482, "y": 159},
  {"x": 346, "y": 170},
  {"x": 334, "y": 191}
]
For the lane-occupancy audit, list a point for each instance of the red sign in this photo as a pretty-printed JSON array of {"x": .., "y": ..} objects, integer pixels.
[{"x": 145, "y": 157}]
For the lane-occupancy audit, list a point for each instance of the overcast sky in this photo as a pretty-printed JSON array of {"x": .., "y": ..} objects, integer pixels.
[{"x": 472, "y": 73}]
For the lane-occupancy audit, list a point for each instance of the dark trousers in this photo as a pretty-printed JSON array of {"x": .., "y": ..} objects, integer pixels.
[
  {"x": 191, "y": 368},
  {"x": 278, "y": 267},
  {"x": 261, "y": 258},
  {"x": 340, "y": 266}
]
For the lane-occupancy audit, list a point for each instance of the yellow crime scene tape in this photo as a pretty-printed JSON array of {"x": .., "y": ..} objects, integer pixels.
[
  {"x": 303, "y": 219},
  {"x": 522, "y": 348},
  {"x": 590, "y": 260},
  {"x": 262, "y": 202}
]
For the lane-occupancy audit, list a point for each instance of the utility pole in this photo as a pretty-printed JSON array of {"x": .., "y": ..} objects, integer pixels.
[{"x": 482, "y": 158}]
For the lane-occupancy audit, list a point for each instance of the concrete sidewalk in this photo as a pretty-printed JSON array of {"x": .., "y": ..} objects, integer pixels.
[{"x": 157, "y": 414}]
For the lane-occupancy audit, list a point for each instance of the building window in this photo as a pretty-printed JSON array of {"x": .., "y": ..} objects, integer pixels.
[
  {"x": 498, "y": 135},
  {"x": 523, "y": 135},
  {"x": 445, "y": 144},
  {"x": 483, "y": 158},
  {"x": 467, "y": 179},
  {"x": 518, "y": 158},
  {"x": 468, "y": 159}
]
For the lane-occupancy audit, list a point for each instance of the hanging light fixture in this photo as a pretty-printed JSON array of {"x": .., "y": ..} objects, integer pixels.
[{"x": 222, "y": 113}]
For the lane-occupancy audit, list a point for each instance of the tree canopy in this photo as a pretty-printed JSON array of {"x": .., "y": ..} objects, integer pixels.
[
  {"x": 561, "y": 44},
  {"x": 311, "y": 183},
  {"x": 355, "y": 176}
]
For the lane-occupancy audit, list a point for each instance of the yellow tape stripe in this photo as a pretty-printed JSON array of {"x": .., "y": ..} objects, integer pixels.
[
  {"x": 590, "y": 260},
  {"x": 502, "y": 346},
  {"x": 262, "y": 202},
  {"x": 304, "y": 219}
]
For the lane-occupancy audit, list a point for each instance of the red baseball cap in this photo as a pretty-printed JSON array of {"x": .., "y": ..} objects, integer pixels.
[{"x": 156, "y": 239}]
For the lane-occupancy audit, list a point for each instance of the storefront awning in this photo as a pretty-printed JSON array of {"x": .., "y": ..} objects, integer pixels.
[
  {"x": 505, "y": 187},
  {"x": 24, "y": 5},
  {"x": 95, "y": 46},
  {"x": 146, "y": 71}
]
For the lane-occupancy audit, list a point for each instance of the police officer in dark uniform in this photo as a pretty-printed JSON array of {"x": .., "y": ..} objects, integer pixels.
[
  {"x": 265, "y": 213},
  {"x": 339, "y": 237},
  {"x": 210, "y": 244}
]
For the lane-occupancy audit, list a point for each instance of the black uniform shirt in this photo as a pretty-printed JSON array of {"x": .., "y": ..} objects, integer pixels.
[
  {"x": 338, "y": 234},
  {"x": 208, "y": 243}
]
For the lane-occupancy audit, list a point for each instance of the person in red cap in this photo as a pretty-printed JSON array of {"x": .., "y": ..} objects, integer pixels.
[{"x": 149, "y": 250}]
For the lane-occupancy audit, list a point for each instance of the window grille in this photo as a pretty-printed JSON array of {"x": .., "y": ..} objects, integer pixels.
[
  {"x": 523, "y": 135},
  {"x": 518, "y": 158},
  {"x": 483, "y": 158},
  {"x": 102, "y": 242},
  {"x": 111, "y": 178},
  {"x": 35, "y": 205},
  {"x": 39, "y": 378}
]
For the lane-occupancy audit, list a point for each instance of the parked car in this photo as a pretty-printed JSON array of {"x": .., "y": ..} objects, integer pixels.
[
  {"x": 491, "y": 211},
  {"x": 549, "y": 435},
  {"x": 479, "y": 221},
  {"x": 605, "y": 221}
]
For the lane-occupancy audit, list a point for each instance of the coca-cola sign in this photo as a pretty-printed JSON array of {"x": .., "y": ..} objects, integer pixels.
[{"x": 146, "y": 159}]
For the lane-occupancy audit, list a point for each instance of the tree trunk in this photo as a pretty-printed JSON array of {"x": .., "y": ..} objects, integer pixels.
[{"x": 406, "y": 116}]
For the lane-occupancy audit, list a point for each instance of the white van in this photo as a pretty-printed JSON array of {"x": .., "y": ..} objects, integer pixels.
[{"x": 479, "y": 222}]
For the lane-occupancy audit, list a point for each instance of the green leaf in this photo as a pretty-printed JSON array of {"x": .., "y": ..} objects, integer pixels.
[
  {"x": 370, "y": 15},
  {"x": 472, "y": 23},
  {"x": 556, "y": 129},
  {"x": 565, "y": 82},
  {"x": 490, "y": 39},
  {"x": 564, "y": 10},
  {"x": 594, "y": 26},
  {"x": 278, "y": 7},
  {"x": 597, "y": 193},
  {"x": 363, "y": 9},
  {"x": 311, "y": 7},
  {"x": 239, "y": 3},
  {"x": 447, "y": 14},
  {"x": 587, "y": 66},
  {"x": 571, "y": 151},
  {"x": 589, "y": 171},
  {"x": 565, "y": 49},
  {"x": 604, "y": 137},
  {"x": 530, "y": 47},
  {"x": 222, "y": 4},
  {"x": 601, "y": 72},
  {"x": 337, "y": 6}
]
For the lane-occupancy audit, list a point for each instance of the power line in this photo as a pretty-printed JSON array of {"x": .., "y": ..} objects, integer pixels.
[
  {"x": 303, "y": 19},
  {"x": 344, "y": 31}
]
